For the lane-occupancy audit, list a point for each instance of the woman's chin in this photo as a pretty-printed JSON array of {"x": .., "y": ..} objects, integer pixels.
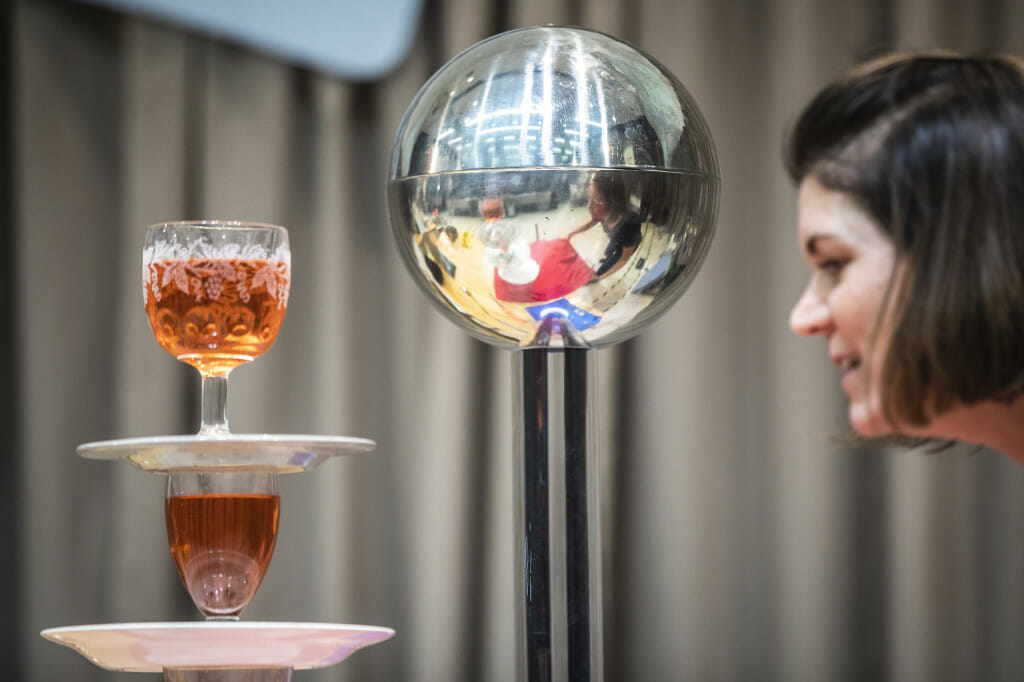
[{"x": 867, "y": 421}]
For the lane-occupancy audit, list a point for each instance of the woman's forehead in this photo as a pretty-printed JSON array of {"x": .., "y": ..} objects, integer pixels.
[{"x": 825, "y": 214}]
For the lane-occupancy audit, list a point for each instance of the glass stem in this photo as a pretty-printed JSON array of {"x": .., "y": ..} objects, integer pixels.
[
  {"x": 228, "y": 675},
  {"x": 214, "y": 406}
]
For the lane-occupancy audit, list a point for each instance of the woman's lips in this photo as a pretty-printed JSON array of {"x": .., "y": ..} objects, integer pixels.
[{"x": 849, "y": 364}]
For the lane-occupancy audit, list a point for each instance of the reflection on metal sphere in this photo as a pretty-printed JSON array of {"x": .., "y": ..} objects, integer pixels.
[{"x": 553, "y": 173}]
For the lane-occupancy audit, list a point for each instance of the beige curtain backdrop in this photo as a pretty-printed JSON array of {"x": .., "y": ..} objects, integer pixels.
[{"x": 740, "y": 542}]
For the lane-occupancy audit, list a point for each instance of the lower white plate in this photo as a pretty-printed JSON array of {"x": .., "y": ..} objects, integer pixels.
[
  {"x": 286, "y": 454},
  {"x": 151, "y": 647}
]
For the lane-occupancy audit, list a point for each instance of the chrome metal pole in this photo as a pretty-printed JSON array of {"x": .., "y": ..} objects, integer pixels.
[{"x": 558, "y": 548}]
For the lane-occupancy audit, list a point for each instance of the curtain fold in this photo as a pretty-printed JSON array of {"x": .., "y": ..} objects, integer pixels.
[{"x": 740, "y": 541}]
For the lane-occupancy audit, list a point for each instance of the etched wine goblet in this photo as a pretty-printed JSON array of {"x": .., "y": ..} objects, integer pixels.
[{"x": 215, "y": 293}]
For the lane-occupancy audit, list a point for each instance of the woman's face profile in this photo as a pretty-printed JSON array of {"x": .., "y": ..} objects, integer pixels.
[
  {"x": 596, "y": 204},
  {"x": 851, "y": 262}
]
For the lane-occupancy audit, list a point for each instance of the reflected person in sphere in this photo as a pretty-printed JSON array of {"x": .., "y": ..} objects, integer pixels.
[
  {"x": 910, "y": 173},
  {"x": 608, "y": 204},
  {"x": 543, "y": 270}
]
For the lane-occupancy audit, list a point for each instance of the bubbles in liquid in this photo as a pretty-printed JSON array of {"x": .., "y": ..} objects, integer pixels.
[{"x": 221, "y": 582}]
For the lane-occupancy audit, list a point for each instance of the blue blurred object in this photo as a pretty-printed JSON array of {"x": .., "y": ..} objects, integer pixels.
[
  {"x": 357, "y": 41},
  {"x": 579, "y": 318},
  {"x": 655, "y": 273}
]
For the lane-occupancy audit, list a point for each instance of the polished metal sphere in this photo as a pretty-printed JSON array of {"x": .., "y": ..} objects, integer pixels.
[{"x": 553, "y": 187}]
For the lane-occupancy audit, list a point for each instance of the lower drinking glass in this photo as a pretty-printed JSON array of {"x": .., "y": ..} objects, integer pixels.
[{"x": 222, "y": 527}]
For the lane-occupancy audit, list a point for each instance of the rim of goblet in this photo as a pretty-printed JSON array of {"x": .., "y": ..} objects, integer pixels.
[{"x": 220, "y": 224}]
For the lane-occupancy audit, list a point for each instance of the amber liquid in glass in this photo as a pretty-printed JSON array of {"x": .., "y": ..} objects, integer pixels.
[
  {"x": 216, "y": 314},
  {"x": 222, "y": 546}
]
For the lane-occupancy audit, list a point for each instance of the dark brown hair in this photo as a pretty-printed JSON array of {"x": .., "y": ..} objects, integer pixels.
[
  {"x": 612, "y": 190},
  {"x": 932, "y": 145}
]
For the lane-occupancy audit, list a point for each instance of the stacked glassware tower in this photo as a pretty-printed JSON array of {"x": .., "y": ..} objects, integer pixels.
[{"x": 216, "y": 293}]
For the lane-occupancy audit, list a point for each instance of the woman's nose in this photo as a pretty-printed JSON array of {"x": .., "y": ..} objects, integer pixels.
[{"x": 811, "y": 315}]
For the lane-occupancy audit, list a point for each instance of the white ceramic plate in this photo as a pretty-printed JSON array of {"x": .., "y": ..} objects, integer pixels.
[
  {"x": 286, "y": 454},
  {"x": 151, "y": 647}
]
